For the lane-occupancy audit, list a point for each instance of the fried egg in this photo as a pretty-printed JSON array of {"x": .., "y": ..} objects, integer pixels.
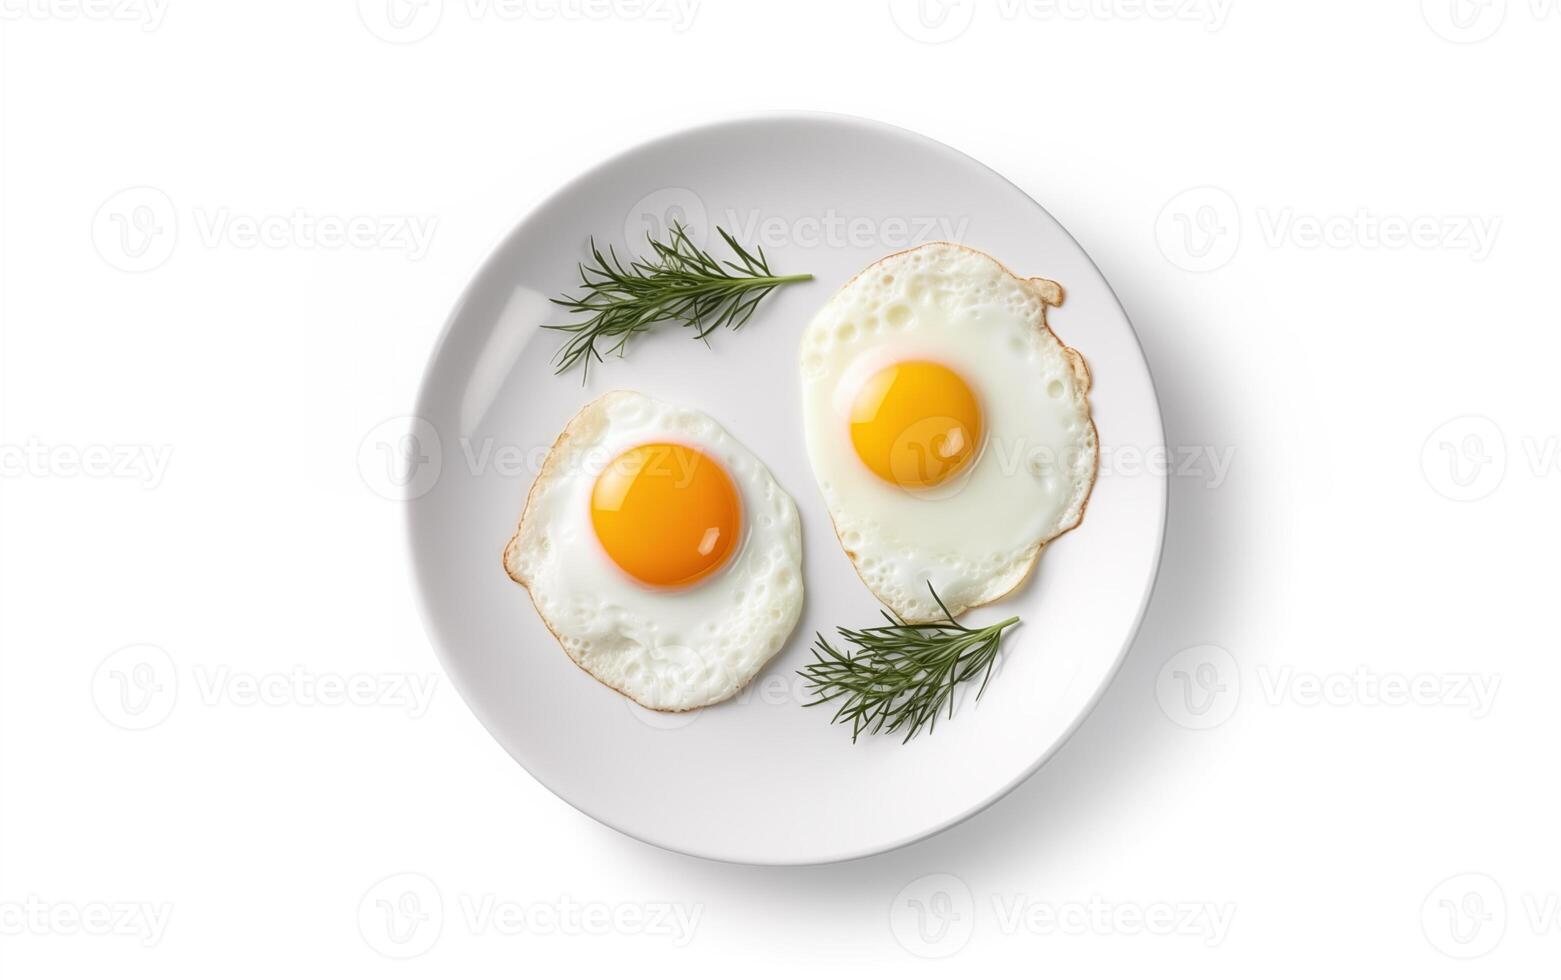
[
  {"x": 948, "y": 427},
  {"x": 659, "y": 552}
]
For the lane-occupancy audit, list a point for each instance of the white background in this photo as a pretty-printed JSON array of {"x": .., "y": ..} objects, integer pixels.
[{"x": 1353, "y": 767}]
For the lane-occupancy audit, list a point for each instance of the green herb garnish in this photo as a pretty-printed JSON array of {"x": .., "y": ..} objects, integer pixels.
[
  {"x": 901, "y": 675},
  {"x": 681, "y": 283}
]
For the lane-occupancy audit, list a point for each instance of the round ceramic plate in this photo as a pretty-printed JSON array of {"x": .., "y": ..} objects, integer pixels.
[{"x": 760, "y": 778}]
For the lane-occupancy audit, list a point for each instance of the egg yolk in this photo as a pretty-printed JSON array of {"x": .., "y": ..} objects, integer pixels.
[
  {"x": 666, "y": 514},
  {"x": 915, "y": 424}
]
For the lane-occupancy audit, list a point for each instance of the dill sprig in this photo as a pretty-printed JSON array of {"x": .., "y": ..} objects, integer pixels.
[
  {"x": 679, "y": 282},
  {"x": 902, "y": 674}
]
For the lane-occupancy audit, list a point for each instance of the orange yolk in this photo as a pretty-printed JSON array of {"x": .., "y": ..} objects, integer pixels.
[
  {"x": 668, "y": 515},
  {"x": 915, "y": 424}
]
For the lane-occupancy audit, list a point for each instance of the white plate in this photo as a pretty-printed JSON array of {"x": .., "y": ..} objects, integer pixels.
[{"x": 759, "y": 779}]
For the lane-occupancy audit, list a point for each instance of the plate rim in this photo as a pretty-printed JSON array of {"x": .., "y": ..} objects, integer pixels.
[{"x": 489, "y": 261}]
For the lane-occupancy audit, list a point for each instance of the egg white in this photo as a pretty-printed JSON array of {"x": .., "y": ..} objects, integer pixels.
[
  {"x": 671, "y": 650},
  {"x": 976, "y": 537}
]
